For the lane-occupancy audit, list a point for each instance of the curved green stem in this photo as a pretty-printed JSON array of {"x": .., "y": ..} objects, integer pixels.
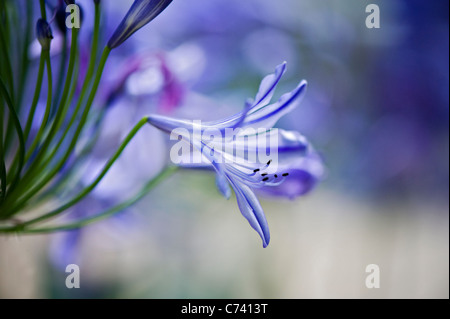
[
  {"x": 25, "y": 183},
  {"x": 94, "y": 184},
  {"x": 6, "y": 71},
  {"x": 70, "y": 173},
  {"x": 163, "y": 175},
  {"x": 25, "y": 62},
  {"x": 20, "y": 155},
  {"x": 48, "y": 106},
  {"x": 43, "y": 161},
  {"x": 86, "y": 83},
  {"x": 43, "y": 12},
  {"x": 56, "y": 123},
  {"x": 21, "y": 201},
  {"x": 6, "y": 56},
  {"x": 36, "y": 95},
  {"x": 61, "y": 73},
  {"x": 2, "y": 156}
]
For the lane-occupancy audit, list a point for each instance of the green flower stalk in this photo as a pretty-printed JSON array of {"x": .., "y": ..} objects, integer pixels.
[{"x": 32, "y": 159}]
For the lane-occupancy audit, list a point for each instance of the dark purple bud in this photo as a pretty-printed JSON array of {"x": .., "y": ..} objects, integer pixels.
[{"x": 44, "y": 34}]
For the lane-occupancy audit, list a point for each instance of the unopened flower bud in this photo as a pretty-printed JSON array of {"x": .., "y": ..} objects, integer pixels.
[
  {"x": 44, "y": 34},
  {"x": 140, "y": 13}
]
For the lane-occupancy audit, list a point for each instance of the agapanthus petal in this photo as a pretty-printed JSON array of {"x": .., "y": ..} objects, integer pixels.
[
  {"x": 269, "y": 115},
  {"x": 263, "y": 97},
  {"x": 168, "y": 124},
  {"x": 268, "y": 85},
  {"x": 223, "y": 186},
  {"x": 251, "y": 209}
]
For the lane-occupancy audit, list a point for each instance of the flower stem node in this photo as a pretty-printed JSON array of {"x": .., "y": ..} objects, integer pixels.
[{"x": 44, "y": 33}]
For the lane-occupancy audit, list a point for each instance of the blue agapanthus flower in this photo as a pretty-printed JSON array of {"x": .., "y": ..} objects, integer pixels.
[{"x": 295, "y": 162}]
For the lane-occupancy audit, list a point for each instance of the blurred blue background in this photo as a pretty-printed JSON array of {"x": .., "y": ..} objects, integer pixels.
[{"x": 377, "y": 109}]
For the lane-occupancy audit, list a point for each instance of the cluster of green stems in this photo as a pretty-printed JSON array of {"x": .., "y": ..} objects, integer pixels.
[{"x": 31, "y": 164}]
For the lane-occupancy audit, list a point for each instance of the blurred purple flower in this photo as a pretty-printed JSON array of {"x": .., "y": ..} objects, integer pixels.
[
  {"x": 173, "y": 91},
  {"x": 242, "y": 174},
  {"x": 140, "y": 13},
  {"x": 64, "y": 249},
  {"x": 70, "y": 247},
  {"x": 153, "y": 78}
]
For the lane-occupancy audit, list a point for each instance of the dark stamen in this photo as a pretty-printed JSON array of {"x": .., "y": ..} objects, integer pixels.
[
  {"x": 256, "y": 170},
  {"x": 265, "y": 174},
  {"x": 268, "y": 163},
  {"x": 265, "y": 179},
  {"x": 276, "y": 176},
  {"x": 286, "y": 174}
]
